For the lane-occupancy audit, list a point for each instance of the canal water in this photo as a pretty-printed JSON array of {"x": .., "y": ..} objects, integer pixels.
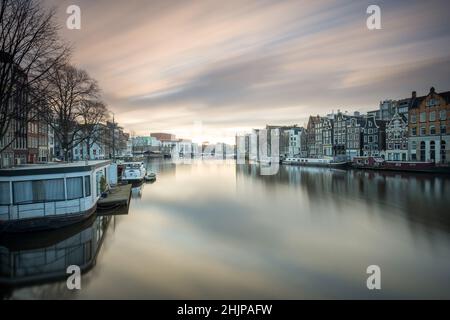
[{"x": 218, "y": 230}]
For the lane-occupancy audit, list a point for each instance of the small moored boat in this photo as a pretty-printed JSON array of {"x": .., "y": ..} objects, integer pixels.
[
  {"x": 133, "y": 172},
  {"x": 151, "y": 176}
]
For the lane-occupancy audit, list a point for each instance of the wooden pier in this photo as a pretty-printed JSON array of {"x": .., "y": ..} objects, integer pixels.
[{"x": 119, "y": 196}]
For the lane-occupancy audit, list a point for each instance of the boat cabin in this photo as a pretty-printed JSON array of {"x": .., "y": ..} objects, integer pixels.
[{"x": 51, "y": 191}]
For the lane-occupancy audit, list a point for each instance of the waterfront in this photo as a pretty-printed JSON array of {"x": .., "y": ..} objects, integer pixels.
[{"x": 217, "y": 230}]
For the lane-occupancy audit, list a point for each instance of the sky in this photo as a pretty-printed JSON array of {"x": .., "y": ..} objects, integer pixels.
[{"x": 210, "y": 69}]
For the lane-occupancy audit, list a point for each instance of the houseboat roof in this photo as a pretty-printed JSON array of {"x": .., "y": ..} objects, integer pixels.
[{"x": 53, "y": 167}]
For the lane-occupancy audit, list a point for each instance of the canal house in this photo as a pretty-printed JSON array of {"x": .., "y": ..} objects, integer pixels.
[
  {"x": 429, "y": 138},
  {"x": 48, "y": 196},
  {"x": 397, "y": 138},
  {"x": 374, "y": 137}
]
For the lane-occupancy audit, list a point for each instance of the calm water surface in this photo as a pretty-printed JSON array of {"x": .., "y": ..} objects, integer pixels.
[{"x": 215, "y": 229}]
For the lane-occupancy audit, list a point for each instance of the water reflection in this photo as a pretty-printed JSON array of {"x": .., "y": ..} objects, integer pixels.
[
  {"x": 136, "y": 192},
  {"x": 217, "y": 230},
  {"x": 44, "y": 257},
  {"x": 422, "y": 198}
]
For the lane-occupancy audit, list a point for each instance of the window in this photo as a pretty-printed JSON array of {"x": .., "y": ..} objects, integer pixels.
[
  {"x": 414, "y": 131},
  {"x": 423, "y": 117},
  {"x": 370, "y": 131},
  {"x": 98, "y": 177},
  {"x": 443, "y": 129},
  {"x": 432, "y": 103},
  {"x": 433, "y": 116},
  {"x": 422, "y": 150},
  {"x": 443, "y": 155},
  {"x": 432, "y": 150},
  {"x": 423, "y": 131},
  {"x": 38, "y": 191},
  {"x": 413, "y": 145},
  {"x": 74, "y": 188},
  {"x": 413, "y": 118},
  {"x": 443, "y": 115},
  {"x": 432, "y": 130},
  {"x": 4, "y": 193}
]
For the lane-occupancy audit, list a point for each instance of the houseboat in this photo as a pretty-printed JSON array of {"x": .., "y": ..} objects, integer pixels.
[
  {"x": 50, "y": 196},
  {"x": 133, "y": 172},
  {"x": 378, "y": 163},
  {"x": 313, "y": 162}
]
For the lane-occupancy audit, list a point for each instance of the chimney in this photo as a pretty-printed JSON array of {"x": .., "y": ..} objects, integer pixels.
[
  {"x": 432, "y": 90},
  {"x": 414, "y": 94}
]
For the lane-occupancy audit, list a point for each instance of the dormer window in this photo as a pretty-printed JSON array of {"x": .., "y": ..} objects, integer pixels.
[{"x": 432, "y": 102}]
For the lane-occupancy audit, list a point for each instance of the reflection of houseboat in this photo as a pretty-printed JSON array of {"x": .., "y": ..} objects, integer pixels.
[
  {"x": 378, "y": 163},
  {"x": 313, "y": 162},
  {"x": 133, "y": 172},
  {"x": 44, "y": 257},
  {"x": 48, "y": 196}
]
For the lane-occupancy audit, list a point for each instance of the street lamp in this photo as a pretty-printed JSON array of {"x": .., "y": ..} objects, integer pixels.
[{"x": 114, "y": 139}]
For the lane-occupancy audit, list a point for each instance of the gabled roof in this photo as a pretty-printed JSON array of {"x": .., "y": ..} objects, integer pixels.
[
  {"x": 416, "y": 101},
  {"x": 397, "y": 115}
]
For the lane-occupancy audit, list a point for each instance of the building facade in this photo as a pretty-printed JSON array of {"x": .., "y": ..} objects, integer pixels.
[
  {"x": 327, "y": 137},
  {"x": 311, "y": 136},
  {"x": 13, "y": 145},
  {"x": 354, "y": 139},
  {"x": 340, "y": 134},
  {"x": 397, "y": 138},
  {"x": 374, "y": 137},
  {"x": 428, "y": 127},
  {"x": 163, "y": 136}
]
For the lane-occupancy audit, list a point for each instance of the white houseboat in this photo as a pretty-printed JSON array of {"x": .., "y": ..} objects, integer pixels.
[
  {"x": 48, "y": 196},
  {"x": 133, "y": 172}
]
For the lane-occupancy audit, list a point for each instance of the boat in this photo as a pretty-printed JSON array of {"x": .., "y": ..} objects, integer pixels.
[
  {"x": 50, "y": 196},
  {"x": 378, "y": 163},
  {"x": 133, "y": 172},
  {"x": 151, "y": 176},
  {"x": 315, "y": 162}
]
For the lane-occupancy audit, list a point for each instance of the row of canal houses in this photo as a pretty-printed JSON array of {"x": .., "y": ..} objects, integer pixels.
[{"x": 410, "y": 129}]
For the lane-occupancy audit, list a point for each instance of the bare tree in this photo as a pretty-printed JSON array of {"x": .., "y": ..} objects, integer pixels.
[
  {"x": 29, "y": 49},
  {"x": 67, "y": 91},
  {"x": 93, "y": 115}
]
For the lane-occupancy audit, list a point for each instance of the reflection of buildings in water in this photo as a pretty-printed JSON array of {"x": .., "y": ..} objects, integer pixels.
[
  {"x": 419, "y": 197},
  {"x": 44, "y": 257}
]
